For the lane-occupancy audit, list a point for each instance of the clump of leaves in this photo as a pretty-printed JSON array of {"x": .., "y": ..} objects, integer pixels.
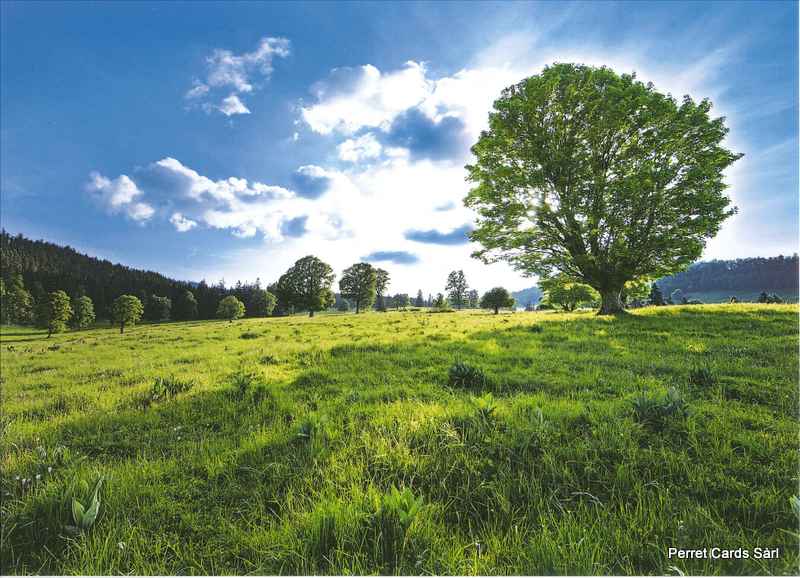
[
  {"x": 84, "y": 518},
  {"x": 249, "y": 335},
  {"x": 463, "y": 375},
  {"x": 485, "y": 407},
  {"x": 397, "y": 510},
  {"x": 535, "y": 328},
  {"x": 164, "y": 388},
  {"x": 244, "y": 380},
  {"x": 658, "y": 410},
  {"x": 701, "y": 377}
]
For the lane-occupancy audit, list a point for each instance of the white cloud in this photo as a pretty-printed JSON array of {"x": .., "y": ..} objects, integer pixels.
[
  {"x": 181, "y": 223},
  {"x": 353, "y": 98},
  {"x": 237, "y": 74},
  {"x": 118, "y": 196},
  {"x": 231, "y": 105},
  {"x": 363, "y": 147}
]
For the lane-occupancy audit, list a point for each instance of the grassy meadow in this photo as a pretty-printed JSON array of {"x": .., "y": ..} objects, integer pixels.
[{"x": 405, "y": 443}]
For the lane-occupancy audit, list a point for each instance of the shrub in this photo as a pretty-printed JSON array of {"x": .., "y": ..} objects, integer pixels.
[
  {"x": 249, "y": 335},
  {"x": 464, "y": 375},
  {"x": 701, "y": 377}
]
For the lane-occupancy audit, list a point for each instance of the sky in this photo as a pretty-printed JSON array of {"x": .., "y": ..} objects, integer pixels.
[{"x": 226, "y": 141}]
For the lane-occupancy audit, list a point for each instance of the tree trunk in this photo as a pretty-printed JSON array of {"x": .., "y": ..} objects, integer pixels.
[
  {"x": 358, "y": 307},
  {"x": 496, "y": 310},
  {"x": 121, "y": 327},
  {"x": 311, "y": 313},
  {"x": 611, "y": 303},
  {"x": 49, "y": 332}
]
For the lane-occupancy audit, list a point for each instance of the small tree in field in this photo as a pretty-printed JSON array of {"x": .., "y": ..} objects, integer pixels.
[
  {"x": 54, "y": 312},
  {"x": 185, "y": 307},
  {"x": 440, "y": 302},
  {"x": 497, "y": 298},
  {"x": 382, "y": 280},
  {"x": 158, "y": 308},
  {"x": 230, "y": 308},
  {"x": 358, "y": 284},
  {"x": 457, "y": 288},
  {"x": 599, "y": 177},
  {"x": 420, "y": 300},
  {"x": 473, "y": 299},
  {"x": 262, "y": 303},
  {"x": 17, "y": 302},
  {"x": 567, "y": 294},
  {"x": 126, "y": 310},
  {"x": 82, "y": 312},
  {"x": 401, "y": 300},
  {"x": 306, "y": 286}
]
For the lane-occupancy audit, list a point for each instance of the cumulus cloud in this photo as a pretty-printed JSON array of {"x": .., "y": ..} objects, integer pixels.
[
  {"x": 354, "y": 98},
  {"x": 119, "y": 196},
  {"x": 236, "y": 73},
  {"x": 364, "y": 147},
  {"x": 396, "y": 257},
  {"x": 425, "y": 137},
  {"x": 458, "y": 236},
  {"x": 181, "y": 223},
  {"x": 295, "y": 227},
  {"x": 311, "y": 181}
]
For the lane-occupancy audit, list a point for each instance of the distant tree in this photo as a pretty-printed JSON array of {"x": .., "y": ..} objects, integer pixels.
[
  {"x": 420, "y": 300},
  {"x": 158, "y": 308},
  {"x": 306, "y": 285},
  {"x": 381, "y": 284},
  {"x": 497, "y": 298},
  {"x": 456, "y": 288},
  {"x": 473, "y": 299},
  {"x": 677, "y": 297},
  {"x": 598, "y": 176},
  {"x": 261, "y": 303},
  {"x": 401, "y": 300},
  {"x": 126, "y": 310},
  {"x": 358, "y": 284},
  {"x": 763, "y": 297},
  {"x": 440, "y": 302},
  {"x": 82, "y": 312},
  {"x": 230, "y": 308},
  {"x": 656, "y": 296},
  {"x": 18, "y": 302},
  {"x": 185, "y": 307},
  {"x": 733, "y": 299},
  {"x": 53, "y": 312},
  {"x": 566, "y": 293}
]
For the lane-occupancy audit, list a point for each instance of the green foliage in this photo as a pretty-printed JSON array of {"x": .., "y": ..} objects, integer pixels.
[
  {"x": 657, "y": 411},
  {"x": 464, "y": 376},
  {"x": 457, "y": 288},
  {"x": 597, "y": 176},
  {"x": 84, "y": 518},
  {"x": 185, "y": 307},
  {"x": 656, "y": 296},
  {"x": 230, "y": 308},
  {"x": 82, "y": 312},
  {"x": 701, "y": 377},
  {"x": 262, "y": 303},
  {"x": 497, "y": 298},
  {"x": 54, "y": 312},
  {"x": 164, "y": 388},
  {"x": 485, "y": 407},
  {"x": 126, "y": 310},
  {"x": 396, "y": 512},
  {"x": 17, "y": 304},
  {"x": 382, "y": 281},
  {"x": 567, "y": 294},
  {"x": 358, "y": 284},
  {"x": 158, "y": 308},
  {"x": 440, "y": 303},
  {"x": 306, "y": 286}
]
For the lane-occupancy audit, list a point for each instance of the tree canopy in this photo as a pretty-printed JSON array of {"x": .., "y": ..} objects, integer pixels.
[
  {"x": 306, "y": 286},
  {"x": 82, "y": 312},
  {"x": 599, "y": 177},
  {"x": 230, "y": 308},
  {"x": 457, "y": 288},
  {"x": 54, "y": 312},
  {"x": 497, "y": 298},
  {"x": 567, "y": 294},
  {"x": 359, "y": 285},
  {"x": 126, "y": 310}
]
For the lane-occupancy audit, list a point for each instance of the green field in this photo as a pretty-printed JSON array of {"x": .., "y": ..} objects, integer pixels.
[{"x": 342, "y": 444}]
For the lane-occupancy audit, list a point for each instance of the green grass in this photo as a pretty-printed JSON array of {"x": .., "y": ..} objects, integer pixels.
[{"x": 562, "y": 443}]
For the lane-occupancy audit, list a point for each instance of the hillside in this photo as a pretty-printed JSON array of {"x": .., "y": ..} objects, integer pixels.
[
  {"x": 405, "y": 443},
  {"x": 531, "y": 295}
]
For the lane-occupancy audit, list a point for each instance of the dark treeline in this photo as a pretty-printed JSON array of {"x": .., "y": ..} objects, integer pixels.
[
  {"x": 752, "y": 274},
  {"x": 47, "y": 267}
]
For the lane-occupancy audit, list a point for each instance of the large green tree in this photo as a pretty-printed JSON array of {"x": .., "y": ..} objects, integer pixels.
[
  {"x": 358, "y": 284},
  {"x": 53, "y": 312},
  {"x": 17, "y": 302},
  {"x": 457, "y": 288},
  {"x": 306, "y": 286},
  {"x": 185, "y": 307},
  {"x": 158, "y": 308},
  {"x": 126, "y": 310},
  {"x": 599, "y": 177}
]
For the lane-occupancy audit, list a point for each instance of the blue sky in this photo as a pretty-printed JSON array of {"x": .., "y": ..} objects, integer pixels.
[{"x": 215, "y": 141}]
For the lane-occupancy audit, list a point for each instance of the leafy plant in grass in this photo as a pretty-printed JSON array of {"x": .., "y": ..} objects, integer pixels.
[
  {"x": 701, "y": 377},
  {"x": 83, "y": 517},
  {"x": 397, "y": 510},
  {"x": 657, "y": 411},
  {"x": 465, "y": 376},
  {"x": 244, "y": 380},
  {"x": 164, "y": 388},
  {"x": 485, "y": 407}
]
